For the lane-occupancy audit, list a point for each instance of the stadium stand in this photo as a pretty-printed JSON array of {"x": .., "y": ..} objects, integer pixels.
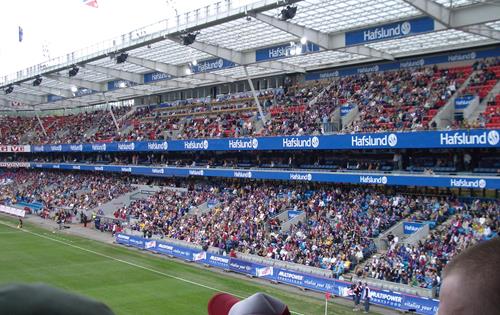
[
  {"x": 392, "y": 100},
  {"x": 329, "y": 205}
]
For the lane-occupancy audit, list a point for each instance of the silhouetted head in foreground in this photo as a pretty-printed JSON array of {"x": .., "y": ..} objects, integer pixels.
[
  {"x": 471, "y": 283},
  {"x": 38, "y": 299},
  {"x": 257, "y": 304}
]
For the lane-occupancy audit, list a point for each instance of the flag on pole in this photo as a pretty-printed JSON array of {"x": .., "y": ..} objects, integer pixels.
[
  {"x": 91, "y": 3},
  {"x": 20, "y": 34},
  {"x": 327, "y": 297}
]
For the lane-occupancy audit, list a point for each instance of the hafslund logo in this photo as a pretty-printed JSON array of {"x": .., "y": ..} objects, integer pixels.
[
  {"x": 76, "y": 147},
  {"x": 126, "y": 146},
  {"x": 468, "y": 183},
  {"x": 400, "y": 29},
  {"x": 126, "y": 169},
  {"x": 294, "y": 142},
  {"x": 56, "y": 147},
  {"x": 390, "y": 140},
  {"x": 411, "y": 228},
  {"x": 158, "y": 145},
  {"x": 209, "y": 65},
  {"x": 200, "y": 145},
  {"x": 239, "y": 174},
  {"x": 373, "y": 180},
  {"x": 412, "y": 63},
  {"x": 157, "y": 171},
  {"x": 244, "y": 144},
  {"x": 461, "y": 57},
  {"x": 295, "y": 176},
  {"x": 457, "y": 138},
  {"x": 99, "y": 147},
  {"x": 196, "y": 172}
]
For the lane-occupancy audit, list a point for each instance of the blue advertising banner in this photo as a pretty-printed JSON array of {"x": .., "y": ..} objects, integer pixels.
[
  {"x": 282, "y": 51},
  {"x": 404, "y": 63},
  {"x": 212, "y": 65},
  {"x": 217, "y": 261},
  {"x": 345, "y": 109},
  {"x": 476, "y": 138},
  {"x": 83, "y": 91},
  {"x": 119, "y": 84},
  {"x": 448, "y": 181},
  {"x": 390, "y": 31},
  {"x": 412, "y": 227},
  {"x": 386, "y": 298},
  {"x": 156, "y": 76},
  {"x": 463, "y": 102},
  {"x": 54, "y": 98},
  {"x": 242, "y": 266},
  {"x": 293, "y": 213}
]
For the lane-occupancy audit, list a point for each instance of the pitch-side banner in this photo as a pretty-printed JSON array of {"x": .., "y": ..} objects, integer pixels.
[
  {"x": 385, "y": 298},
  {"x": 478, "y": 138},
  {"x": 13, "y": 211}
]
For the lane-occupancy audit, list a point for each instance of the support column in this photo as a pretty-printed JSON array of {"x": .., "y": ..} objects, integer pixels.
[
  {"x": 255, "y": 97},
  {"x": 40, "y": 123},
  {"x": 111, "y": 112}
]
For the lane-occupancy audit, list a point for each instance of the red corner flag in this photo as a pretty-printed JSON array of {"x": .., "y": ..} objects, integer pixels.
[
  {"x": 91, "y": 3},
  {"x": 328, "y": 295}
]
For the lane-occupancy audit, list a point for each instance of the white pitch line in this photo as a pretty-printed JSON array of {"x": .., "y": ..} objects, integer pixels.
[{"x": 132, "y": 264}]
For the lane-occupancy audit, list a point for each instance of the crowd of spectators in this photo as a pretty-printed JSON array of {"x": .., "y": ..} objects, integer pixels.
[
  {"x": 337, "y": 233},
  {"x": 56, "y": 191},
  {"x": 405, "y": 99},
  {"x": 75, "y": 128},
  {"x": 421, "y": 264},
  {"x": 301, "y": 111}
]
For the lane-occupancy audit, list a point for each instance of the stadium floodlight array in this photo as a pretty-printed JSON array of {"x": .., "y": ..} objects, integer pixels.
[
  {"x": 73, "y": 71},
  {"x": 9, "y": 89},
  {"x": 37, "y": 81},
  {"x": 288, "y": 13},
  {"x": 189, "y": 38},
  {"x": 121, "y": 58}
]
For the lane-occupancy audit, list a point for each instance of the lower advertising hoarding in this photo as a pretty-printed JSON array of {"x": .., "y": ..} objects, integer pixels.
[{"x": 391, "y": 299}]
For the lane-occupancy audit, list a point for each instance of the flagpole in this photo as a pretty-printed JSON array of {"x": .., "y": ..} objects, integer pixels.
[{"x": 326, "y": 306}]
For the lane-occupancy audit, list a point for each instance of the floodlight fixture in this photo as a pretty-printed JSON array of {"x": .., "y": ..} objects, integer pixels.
[
  {"x": 288, "y": 13},
  {"x": 189, "y": 38},
  {"x": 121, "y": 58},
  {"x": 37, "y": 81},
  {"x": 73, "y": 71}
]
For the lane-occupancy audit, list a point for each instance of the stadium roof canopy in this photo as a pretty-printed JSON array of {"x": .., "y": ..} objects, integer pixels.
[{"x": 254, "y": 40}]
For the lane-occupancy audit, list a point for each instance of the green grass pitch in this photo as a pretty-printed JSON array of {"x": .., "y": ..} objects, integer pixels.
[{"x": 130, "y": 282}]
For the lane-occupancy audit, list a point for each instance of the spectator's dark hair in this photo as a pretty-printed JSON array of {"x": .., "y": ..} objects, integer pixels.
[{"x": 480, "y": 267}]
